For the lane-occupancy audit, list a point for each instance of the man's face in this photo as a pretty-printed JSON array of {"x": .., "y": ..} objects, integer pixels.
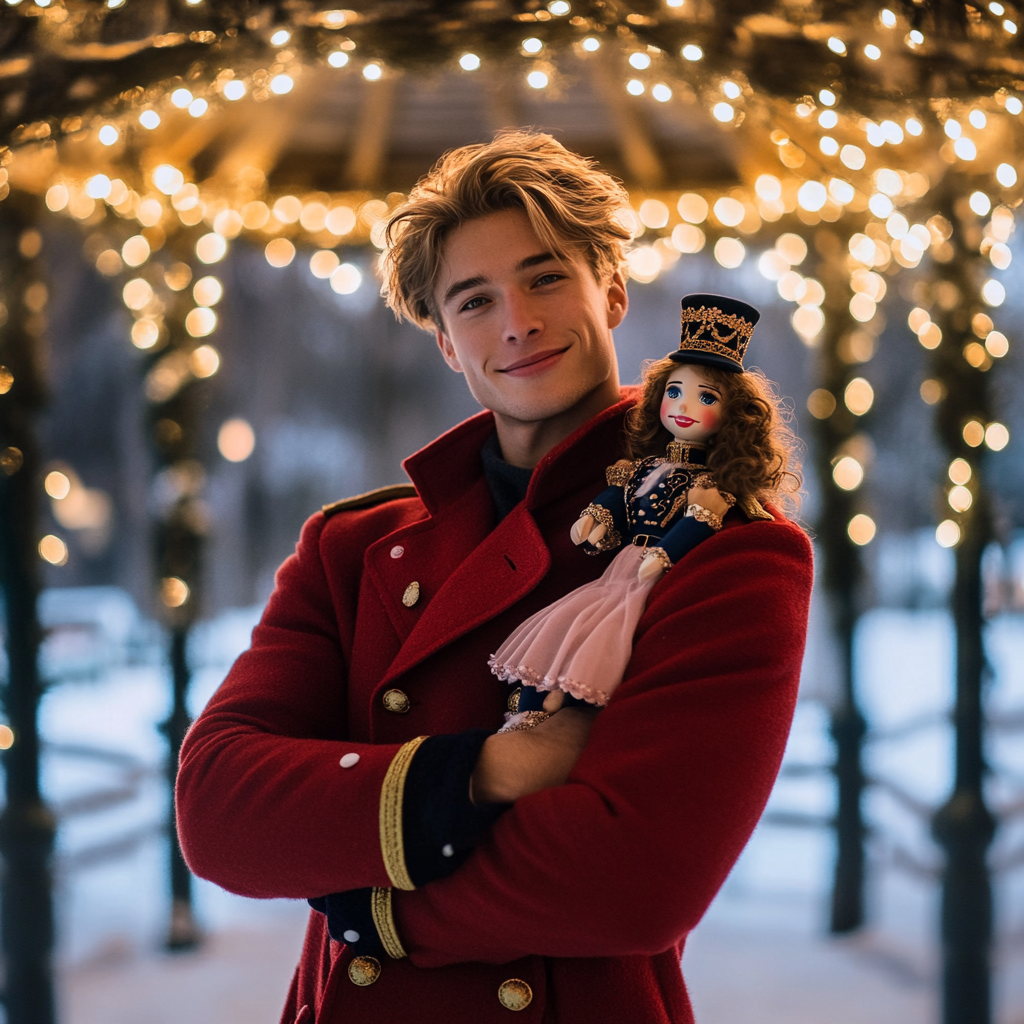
[{"x": 531, "y": 332}]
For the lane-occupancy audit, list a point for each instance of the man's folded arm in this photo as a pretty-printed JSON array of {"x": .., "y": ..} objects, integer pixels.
[
  {"x": 273, "y": 803},
  {"x": 625, "y": 858}
]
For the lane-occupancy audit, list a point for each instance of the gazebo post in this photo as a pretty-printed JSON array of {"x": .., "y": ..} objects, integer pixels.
[
  {"x": 964, "y": 826},
  {"x": 27, "y": 826},
  {"x": 841, "y": 575}
]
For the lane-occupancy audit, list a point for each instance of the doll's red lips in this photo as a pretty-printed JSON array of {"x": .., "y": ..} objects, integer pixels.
[
  {"x": 684, "y": 421},
  {"x": 537, "y": 361}
]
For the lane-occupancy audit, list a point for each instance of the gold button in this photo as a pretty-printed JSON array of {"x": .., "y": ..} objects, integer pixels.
[
  {"x": 365, "y": 970},
  {"x": 411, "y": 595},
  {"x": 396, "y": 701},
  {"x": 513, "y": 700},
  {"x": 515, "y": 994}
]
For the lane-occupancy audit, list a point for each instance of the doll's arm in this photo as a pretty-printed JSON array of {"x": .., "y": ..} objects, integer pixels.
[
  {"x": 706, "y": 507},
  {"x": 602, "y": 523}
]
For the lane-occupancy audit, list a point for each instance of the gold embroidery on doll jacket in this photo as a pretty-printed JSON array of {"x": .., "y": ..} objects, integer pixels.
[{"x": 664, "y": 502}]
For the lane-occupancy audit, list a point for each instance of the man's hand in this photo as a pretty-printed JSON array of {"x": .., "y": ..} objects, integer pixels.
[
  {"x": 584, "y": 529},
  {"x": 513, "y": 764}
]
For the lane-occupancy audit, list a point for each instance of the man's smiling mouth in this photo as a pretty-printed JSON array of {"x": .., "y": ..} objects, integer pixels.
[{"x": 536, "y": 360}]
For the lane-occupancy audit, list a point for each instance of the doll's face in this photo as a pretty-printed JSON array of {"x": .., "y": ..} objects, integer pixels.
[{"x": 691, "y": 406}]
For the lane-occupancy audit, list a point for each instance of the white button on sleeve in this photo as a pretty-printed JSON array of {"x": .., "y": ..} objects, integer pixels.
[
  {"x": 350, "y": 936},
  {"x": 397, "y": 551},
  {"x": 348, "y": 760}
]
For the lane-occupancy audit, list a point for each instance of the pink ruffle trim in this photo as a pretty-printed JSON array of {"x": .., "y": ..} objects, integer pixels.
[{"x": 525, "y": 674}]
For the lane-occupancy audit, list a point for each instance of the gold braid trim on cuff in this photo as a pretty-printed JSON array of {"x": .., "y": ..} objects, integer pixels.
[
  {"x": 661, "y": 555},
  {"x": 392, "y": 846},
  {"x": 703, "y": 515},
  {"x": 612, "y": 537},
  {"x": 384, "y": 919},
  {"x": 618, "y": 474}
]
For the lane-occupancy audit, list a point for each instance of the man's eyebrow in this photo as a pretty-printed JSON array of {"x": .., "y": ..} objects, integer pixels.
[{"x": 474, "y": 282}]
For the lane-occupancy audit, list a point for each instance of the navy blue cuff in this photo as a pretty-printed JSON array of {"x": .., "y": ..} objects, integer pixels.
[
  {"x": 684, "y": 536},
  {"x": 350, "y": 920},
  {"x": 440, "y": 824}
]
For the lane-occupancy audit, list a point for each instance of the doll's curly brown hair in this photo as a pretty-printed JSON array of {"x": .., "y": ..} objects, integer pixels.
[{"x": 754, "y": 452}]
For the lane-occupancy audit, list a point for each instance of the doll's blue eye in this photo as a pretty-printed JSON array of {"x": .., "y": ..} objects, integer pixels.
[
  {"x": 672, "y": 392},
  {"x": 707, "y": 398}
]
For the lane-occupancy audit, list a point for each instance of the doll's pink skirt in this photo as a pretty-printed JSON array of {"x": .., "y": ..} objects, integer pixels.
[{"x": 583, "y": 642}]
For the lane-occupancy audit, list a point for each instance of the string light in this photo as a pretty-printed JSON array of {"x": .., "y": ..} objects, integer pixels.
[{"x": 469, "y": 62}]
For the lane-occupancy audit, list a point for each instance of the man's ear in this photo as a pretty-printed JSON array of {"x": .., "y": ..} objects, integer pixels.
[
  {"x": 447, "y": 350},
  {"x": 618, "y": 299}
]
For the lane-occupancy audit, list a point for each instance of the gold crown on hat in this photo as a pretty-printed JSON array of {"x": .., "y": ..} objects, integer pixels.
[{"x": 715, "y": 331}]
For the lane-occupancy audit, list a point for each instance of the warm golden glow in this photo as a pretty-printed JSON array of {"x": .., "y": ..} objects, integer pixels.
[
  {"x": 53, "y": 550},
  {"x": 848, "y": 473},
  {"x": 996, "y": 344},
  {"x": 947, "y": 533},
  {"x": 6, "y": 380},
  {"x": 821, "y": 403},
  {"x": 346, "y": 279},
  {"x": 960, "y": 471},
  {"x": 859, "y": 396},
  {"x": 200, "y": 322},
  {"x": 861, "y": 529},
  {"x": 174, "y": 591},
  {"x": 208, "y": 291},
  {"x": 204, "y": 361},
  {"x": 688, "y": 238},
  {"x": 137, "y": 293},
  {"x": 145, "y": 333},
  {"x": 177, "y": 276},
  {"x": 974, "y": 433},
  {"x": 211, "y": 248},
  {"x": 931, "y": 391},
  {"x": 135, "y": 251},
  {"x": 323, "y": 263},
  {"x": 57, "y": 484},
  {"x": 654, "y": 213},
  {"x": 279, "y": 252},
  {"x": 6, "y": 737},
  {"x": 730, "y": 252},
  {"x": 340, "y": 220},
  {"x": 808, "y": 322},
  {"x": 997, "y": 437},
  {"x": 960, "y": 499},
  {"x": 236, "y": 440}
]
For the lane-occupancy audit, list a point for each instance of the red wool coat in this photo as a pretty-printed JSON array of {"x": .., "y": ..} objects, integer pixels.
[{"x": 585, "y": 891}]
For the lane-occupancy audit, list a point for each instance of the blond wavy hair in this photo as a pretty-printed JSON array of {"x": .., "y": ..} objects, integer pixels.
[
  {"x": 574, "y": 208},
  {"x": 754, "y": 451}
]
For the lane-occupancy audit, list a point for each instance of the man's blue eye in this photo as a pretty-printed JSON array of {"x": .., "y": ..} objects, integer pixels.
[
  {"x": 673, "y": 393},
  {"x": 706, "y": 398}
]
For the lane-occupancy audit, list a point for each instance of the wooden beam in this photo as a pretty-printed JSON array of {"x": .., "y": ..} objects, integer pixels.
[
  {"x": 639, "y": 156},
  {"x": 372, "y": 134}
]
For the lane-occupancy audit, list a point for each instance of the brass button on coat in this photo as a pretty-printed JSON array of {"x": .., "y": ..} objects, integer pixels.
[
  {"x": 396, "y": 702},
  {"x": 411, "y": 595},
  {"x": 365, "y": 970},
  {"x": 515, "y": 994}
]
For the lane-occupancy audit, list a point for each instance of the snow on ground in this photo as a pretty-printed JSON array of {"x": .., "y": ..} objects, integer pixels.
[{"x": 760, "y": 956}]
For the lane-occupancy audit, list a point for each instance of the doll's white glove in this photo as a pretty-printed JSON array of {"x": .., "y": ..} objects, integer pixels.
[
  {"x": 652, "y": 568},
  {"x": 709, "y": 498},
  {"x": 584, "y": 529}
]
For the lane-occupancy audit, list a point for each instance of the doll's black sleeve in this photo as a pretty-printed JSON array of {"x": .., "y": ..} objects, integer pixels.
[{"x": 612, "y": 501}]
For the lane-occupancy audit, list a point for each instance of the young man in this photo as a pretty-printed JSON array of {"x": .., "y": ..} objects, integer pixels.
[{"x": 337, "y": 760}]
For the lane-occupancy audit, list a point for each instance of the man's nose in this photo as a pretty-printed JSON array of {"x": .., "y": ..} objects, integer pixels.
[{"x": 522, "y": 319}]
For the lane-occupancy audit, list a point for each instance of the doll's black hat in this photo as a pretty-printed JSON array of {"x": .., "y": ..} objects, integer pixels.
[{"x": 716, "y": 331}]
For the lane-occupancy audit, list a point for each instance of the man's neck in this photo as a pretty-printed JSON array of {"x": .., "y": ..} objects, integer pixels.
[{"x": 524, "y": 444}]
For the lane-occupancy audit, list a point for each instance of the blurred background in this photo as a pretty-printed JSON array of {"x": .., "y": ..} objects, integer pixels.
[{"x": 194, "y": 357}]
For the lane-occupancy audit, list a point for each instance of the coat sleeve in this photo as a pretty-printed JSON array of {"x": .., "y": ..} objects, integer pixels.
[
  {"x": 260, "y": 770},
  {"x": 627, "y": 855}
]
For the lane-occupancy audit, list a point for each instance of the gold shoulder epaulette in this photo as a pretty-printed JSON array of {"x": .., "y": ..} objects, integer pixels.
[
  {"x": 753, "y": 508},
  {"x": 618, "y": 474},
  {"x": 370, "y": 498}
]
